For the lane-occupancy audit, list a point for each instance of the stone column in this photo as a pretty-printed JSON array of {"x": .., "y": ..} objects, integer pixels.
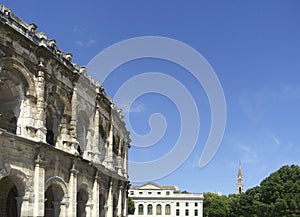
[
  {"x": 125, "y": 160},
  {"x": 119, "y": 158},
  {"x": 39, "y": 188},
  {"x": 125, "y": 207},
  {"x": 73, "y": 122},
  {"x": 96, "y": 148},
  {"x": 109, "y": 153},
  {"x": 73, "y": 192},
  {"x": 120, "y": 200},
  {"x": 89, "y": 210},
  {"x": 40, "y": 105},
  {"x": 110, "y": 201},
  {"x": 96, "y": 192}
]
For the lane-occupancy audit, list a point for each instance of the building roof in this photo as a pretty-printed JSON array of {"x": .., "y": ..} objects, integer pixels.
[{"x": 152, "y": 185}]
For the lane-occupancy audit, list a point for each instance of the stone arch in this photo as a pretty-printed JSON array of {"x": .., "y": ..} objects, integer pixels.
[
  {"x": 83, "y": 199},
  {"x": 82, "y": 131},
  {"x": 16, "y": 88},
  {"x": 23, "y": 180},
  {"x": 84, "y": 186},
  {"x": 56, "y": 197},
  {"x": 14, "y": 185},
  {"x": 60, "y": 182},
  {"x": 54, "y": 115},
  {"x": 18, "y": 68}
]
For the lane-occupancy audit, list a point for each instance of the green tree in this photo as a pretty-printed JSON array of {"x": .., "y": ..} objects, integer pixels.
[
  {"x": 131, "y": 207},
  {"x": 215, "y": 205},
  {"x": 277, "y": 196}
]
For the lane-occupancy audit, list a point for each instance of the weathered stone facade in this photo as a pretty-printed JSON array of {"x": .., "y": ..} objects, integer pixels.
[{"x": 63, "y": 144}]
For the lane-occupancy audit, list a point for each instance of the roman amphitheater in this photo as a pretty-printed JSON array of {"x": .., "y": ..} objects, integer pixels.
[{"x": 63, "y": 143}]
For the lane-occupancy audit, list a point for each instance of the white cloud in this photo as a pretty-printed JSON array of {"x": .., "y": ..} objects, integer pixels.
[
  {"x": 78, "y": 29},
  {"x": 88, "y": 43},
  {"x": 80, "y": 43},
  {"x": 255, "y": 104},
  {"x": 129, "y": 108}
]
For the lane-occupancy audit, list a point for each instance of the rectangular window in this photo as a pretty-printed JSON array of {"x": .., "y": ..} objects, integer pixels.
[
  {"x": 196, "y": 212},
  {"x": 131, "y": 193},
  {"x": 177, "y": 212},
  {"x": 186, "y": 212},
  {"x": 159, "y": 192},
  {"x": 177, "y": 204},
  {"x": 196, "y": 204},
  {"x": 140, "y": 192},
  {"x": 186, "y": 204},
  {"x": 149, "y": 192},
  {"x": 168, "y": 193}
]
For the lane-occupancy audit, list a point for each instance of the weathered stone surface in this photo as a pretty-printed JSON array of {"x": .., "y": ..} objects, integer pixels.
[{"x": 63, "y": 144}]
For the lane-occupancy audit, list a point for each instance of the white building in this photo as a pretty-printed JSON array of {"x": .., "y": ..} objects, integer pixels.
[{"x": 151, "y": 199}]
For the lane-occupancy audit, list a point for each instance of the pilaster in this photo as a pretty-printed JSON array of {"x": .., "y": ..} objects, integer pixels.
[
  {"x": 39, "y": 187},
  {"x": 120, "y": 199},
  {"x": 95, "y": 148},
  {"x": 72, "y": 211},
  {"x": 96, "y": 192},
  {"x": 40, "y": 105},
  {"x": 109, "y": 154},
  {"x": 110, "y": 199}
]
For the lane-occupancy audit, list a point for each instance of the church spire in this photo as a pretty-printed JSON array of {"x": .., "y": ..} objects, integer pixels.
[{"x": 240, "y": 181}]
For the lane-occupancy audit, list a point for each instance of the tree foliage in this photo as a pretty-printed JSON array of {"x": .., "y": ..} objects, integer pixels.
[
  {"x": 215, "y": 205},
  {"x": 131, "y": 207},
  {"x": 277, "y": 195}
]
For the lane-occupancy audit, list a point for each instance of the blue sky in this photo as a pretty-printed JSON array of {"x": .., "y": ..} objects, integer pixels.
[{"x": 254, "y": 49}]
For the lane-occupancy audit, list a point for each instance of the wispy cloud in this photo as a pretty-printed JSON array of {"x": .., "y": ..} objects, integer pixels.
[
  {"x": 128, "y": 107},
  {"x": 78, "y": 29},
  {"x": 254, "y": 147},
  {"x": 249, "y": 153},
  {"x": 86, "y": 43},
  {"x": 257, "y": 103}
]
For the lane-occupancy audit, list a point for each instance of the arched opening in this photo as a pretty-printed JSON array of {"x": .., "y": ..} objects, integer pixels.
[
  {"x": 103, "y": 132},
  {"x": 82, "y": 199},
  {"x": 11, "y": 95},
  {"x": 141, "y": 209},
  {"x": 149, "y": 209},
  {"x": 11, "y": 194},
  {"x": 115, "y": 206},
  {"x": 53, "y": 197},
  {"x": 49, "y": 125},
  {"x": 54, "y": 114},
  {"x": 82, "y": 130},
  {"x": 158, "y": 209},
  {"x": 168, "y": 209},
  {"x": 101, "y": 205}
]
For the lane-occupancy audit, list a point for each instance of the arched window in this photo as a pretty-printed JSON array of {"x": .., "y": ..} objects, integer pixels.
[
  {"x": 10, "y": 190},
  {"x": 82, "y": 129},
  {"x": 168, "y": 210},
  {"x": 149, "y": 209},
  {"x": 101, "y": 205},
  {"x": 11, "y": 96},
  {"x": 158, "y": 209},
  {"x": 53, "y": 195},
  {"x": 141, "y": 209},
  {"x": 82, "y": 198}
]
